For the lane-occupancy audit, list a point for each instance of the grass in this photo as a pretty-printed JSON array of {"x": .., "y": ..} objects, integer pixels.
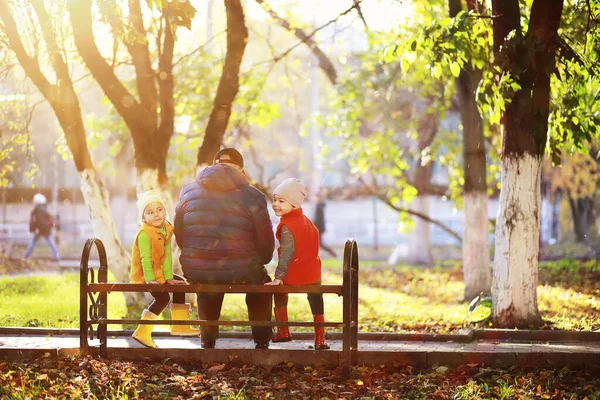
[
  {"x": 50, "y": 301},
  {"x": 392, "y": 299}
]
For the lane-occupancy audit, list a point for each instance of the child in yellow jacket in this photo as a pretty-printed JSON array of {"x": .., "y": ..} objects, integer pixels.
[{"x": 151, "y": 262}]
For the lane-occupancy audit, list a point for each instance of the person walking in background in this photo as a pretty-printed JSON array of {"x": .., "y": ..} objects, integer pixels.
[
  {"x": 223, "y": 228},
  {"x": 319, "y": 221},
  {"x": 299, "y": 262},
  {"x": 40, "y": 224},
  {"x": 151, "y": 262}
]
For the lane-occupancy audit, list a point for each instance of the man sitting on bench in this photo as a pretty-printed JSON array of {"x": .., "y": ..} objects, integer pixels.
[{"x": 226, "y": 237}]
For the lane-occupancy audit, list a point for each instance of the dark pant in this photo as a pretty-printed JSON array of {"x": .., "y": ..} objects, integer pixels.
[
  {"x": 162, "y": 299},
  {"x": 258, "y": 304},
  {"x": 314, "y": 299}
]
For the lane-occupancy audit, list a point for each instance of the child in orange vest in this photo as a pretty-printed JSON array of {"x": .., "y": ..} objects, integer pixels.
[
  {"x": 151, "y": 262},
  {"x": 299, "y": 262}
]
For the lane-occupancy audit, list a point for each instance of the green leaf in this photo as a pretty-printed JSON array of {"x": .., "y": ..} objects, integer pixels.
[{"x": 455, "y": 69}]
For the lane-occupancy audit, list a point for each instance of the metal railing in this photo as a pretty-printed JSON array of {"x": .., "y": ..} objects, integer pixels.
[{"x": 93, "y": 302}]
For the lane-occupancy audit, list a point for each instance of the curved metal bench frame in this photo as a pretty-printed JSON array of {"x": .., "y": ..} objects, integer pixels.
[{"x": 94, "y": 302}]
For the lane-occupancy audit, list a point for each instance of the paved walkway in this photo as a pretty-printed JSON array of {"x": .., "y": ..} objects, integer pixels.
[{"x": 427, "y": 353}]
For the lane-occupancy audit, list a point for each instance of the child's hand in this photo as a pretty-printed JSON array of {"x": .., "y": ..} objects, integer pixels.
[
  {"x": 176, "y": 282},
  {"x": 152, "y": 282},
  {"x": 275, "y": 282}
]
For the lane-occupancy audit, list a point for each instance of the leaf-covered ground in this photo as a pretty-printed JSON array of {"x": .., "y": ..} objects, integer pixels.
[{"x": 88, "y": 378}]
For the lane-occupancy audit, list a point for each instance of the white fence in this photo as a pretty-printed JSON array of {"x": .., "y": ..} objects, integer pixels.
[{"x": 369, "y": 221}]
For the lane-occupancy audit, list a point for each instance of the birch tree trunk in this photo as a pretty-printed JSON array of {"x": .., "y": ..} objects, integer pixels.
[
  {"x": 477, "y": 273},
  {"x": 531, "y": 59},
  {"x": 477, "y": 270},
  {"x": 517, "y": 243},
  {"x": 64, "y": 101},
  {"x": 96, "y": 199},
  {"x": 419, "y": 247}
]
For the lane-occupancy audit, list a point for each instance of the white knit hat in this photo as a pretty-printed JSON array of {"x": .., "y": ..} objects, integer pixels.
[
  {"x": 292, "y": 190},
  {"x": 146, "y": 198},
  {"x": 39, "y": 198}
]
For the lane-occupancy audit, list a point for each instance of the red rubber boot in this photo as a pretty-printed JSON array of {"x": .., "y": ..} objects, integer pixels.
[
  {"x": 320, "y": 343},
  {"x": 283, "y": 332}
]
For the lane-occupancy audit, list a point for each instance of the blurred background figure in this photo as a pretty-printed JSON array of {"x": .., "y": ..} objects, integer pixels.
[
  {"x": 319, "y": 221},
  {"x": 41, "y": 223}
]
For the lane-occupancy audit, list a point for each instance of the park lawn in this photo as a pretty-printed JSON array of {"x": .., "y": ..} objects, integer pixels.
[
  {"x": 392, "y": 299},
  {"x": 46, "y": 301}
]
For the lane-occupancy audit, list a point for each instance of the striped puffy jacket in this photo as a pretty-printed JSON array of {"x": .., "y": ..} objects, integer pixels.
[{"x": 222, "y": 227}]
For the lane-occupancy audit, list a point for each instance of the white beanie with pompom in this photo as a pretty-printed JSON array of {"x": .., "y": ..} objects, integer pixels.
[{"x": 292, "y": 190}]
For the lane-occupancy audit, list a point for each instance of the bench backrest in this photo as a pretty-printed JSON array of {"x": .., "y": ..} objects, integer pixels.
[{"x": 96, "y": 293}]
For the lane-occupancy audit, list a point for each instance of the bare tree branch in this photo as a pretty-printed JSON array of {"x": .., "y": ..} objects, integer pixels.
[
  {"x": 166, "y": 92},
  {"x": 28, "y": 63},
  {"x": 58, "y": 63},
  {"x": 139, "y": 118},
  {"x": 237, "y": 37},
  {"x": 360, "y": 14},
  {"x": 313, "y": 33},
  {"x": 81, "y": 19},
  {"x": 324, "y": 62},
  {"x": 62, "y": 97},
  {"x": 383, "y": 197},
  {"x": 140, "y": 54},
  {"x": 198, "y": 49}
]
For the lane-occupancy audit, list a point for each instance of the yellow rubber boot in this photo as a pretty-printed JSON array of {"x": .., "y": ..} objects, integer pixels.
[
  {"x": 143, "y": 333},
  {"x": 181, "y": 312}
]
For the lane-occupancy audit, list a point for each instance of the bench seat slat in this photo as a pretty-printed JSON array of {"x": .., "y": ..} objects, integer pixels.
[
  {"x": 213, "y": 323},
  {"x": 203, "y": 288}
]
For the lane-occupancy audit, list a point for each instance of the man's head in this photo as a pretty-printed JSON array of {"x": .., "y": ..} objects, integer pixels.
[{"x": 229, "y": 156}]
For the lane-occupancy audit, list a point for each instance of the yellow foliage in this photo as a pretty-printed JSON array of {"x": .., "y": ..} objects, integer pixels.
[{"x": 580, "y": 175}]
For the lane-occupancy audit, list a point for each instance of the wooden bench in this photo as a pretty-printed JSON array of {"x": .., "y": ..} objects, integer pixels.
[
  {"x": 11, "y": 234},
  {"x": 93, "y": 302}
]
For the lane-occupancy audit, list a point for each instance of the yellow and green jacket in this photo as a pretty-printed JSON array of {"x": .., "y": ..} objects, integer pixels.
[{"x": 151, "y": 258}]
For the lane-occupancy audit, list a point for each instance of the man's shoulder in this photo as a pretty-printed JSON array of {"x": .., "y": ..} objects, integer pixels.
[
  {"x": 192, "y": 186},
  {"x": 253, "y": 193}
]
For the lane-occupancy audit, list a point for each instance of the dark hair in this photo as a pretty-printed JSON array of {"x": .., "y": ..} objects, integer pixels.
[{"x": 233, "y": 157}]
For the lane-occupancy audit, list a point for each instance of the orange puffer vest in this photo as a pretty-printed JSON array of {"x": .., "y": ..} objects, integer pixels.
[
  {"x": 305, "y": 267},
  {"x": 158, "y": 244}
]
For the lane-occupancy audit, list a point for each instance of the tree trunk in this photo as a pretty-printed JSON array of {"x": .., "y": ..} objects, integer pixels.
[
  {"x": 477, "y": 273},
  {"x": 62, "y": 98},
  {"x": 530, "y": 59},
  {"x": 580, "y": 210},
  {"x": 517, "y": 243},
  {"x": 419, "y": 247},
  {"x": 555, "y": 235},
  {"x": 237, "y": 37},
  {"x": 96, "y": 199},
  {"x": 151, "y": 140}
]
